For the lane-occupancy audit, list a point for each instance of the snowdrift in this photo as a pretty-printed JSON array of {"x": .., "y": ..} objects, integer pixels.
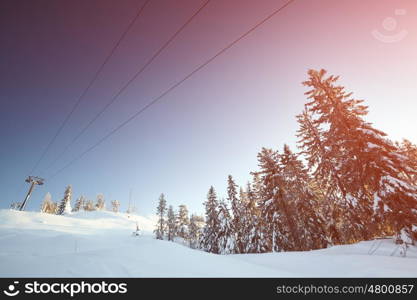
[{"x": 100, "y": 244}]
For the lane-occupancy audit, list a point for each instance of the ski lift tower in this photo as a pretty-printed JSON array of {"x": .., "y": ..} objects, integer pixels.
[{"x": 33, "y": 180}]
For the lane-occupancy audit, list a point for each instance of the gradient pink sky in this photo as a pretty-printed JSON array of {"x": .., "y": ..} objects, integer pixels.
[{"x": 215, "y": 123}]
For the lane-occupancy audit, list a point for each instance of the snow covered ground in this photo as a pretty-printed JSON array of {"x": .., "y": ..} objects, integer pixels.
[{"x": 100, "y": 244}]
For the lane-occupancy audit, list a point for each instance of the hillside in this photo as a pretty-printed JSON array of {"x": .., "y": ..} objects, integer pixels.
[{"x": 100, "y": 244}]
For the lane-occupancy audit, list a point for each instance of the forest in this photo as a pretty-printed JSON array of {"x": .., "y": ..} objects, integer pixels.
[{"x": 346, "y": 182}]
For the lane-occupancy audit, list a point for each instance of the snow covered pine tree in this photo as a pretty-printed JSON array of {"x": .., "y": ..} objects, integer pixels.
[
  {"x": 160, "y": 212},
  {"x": 115, "y": 205},
  {"x": 79, "y": 204},
  {"x": 367, "y": 181},
  {"x": 65, "y": 205},
  {"x": 195, "y": 231},
  {"x": 226, "y": 236},
  {"x": 210, "y": 239},
  {"x": 171, "y": 224},
  {"x": 237, "y": 212},
  {"x": 47, "y": 205},
  {"x": 183, "y": 222}
]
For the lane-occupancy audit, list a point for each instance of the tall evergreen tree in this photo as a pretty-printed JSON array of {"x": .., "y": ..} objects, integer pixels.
[
  {"x": 254, "y": 240},
  {"x": 365, "y": 179},
  {"x": 65, "y": 205},
  {"x": 305, "y": 222},
  {"x": 226, "y": 235},
  {"x": 171, "y": 224},
  {"x": 210, "y": 239},
  {"x": 183, "y": 222},
  {"x": 195, "y": 231},
  {"x": 237, "y": 210},
  {"x": 269, "y": 209},
  {"x": 258, "y": 238},
  {"x": 160, "y": 211}
]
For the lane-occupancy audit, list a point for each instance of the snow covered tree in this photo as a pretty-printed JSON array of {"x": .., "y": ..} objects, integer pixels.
[
  {"x": 195, "y": 230},
  {"x": 290, "y": 208},
  {"x": 89, "y": 205},
  {"x": 171, "y": 224},
  {"x": 237, "y": 211},
  {"x": 183, "y": 222},
  {"x": 101, "y": 203},
  {"x": 257, "y": 237},
  {"x": 301, "y": 204},
  {"x": 47, "y": 205},
  {"x": 79, "y": 204},
  {"x": 115, "y": 206},
  {"x": 409, "y": 150},
  {"x": 15, "y": 205},
  {"x": 210, "y": 239},
  {"x": 160, "y": 212},
  {"x": 65, "y": 205},
  {"x": 269, "y": 209},
  {"x": 367, "y": 182},
  {"x": 226, "y": 234},
  {"x": 253, "y": 237}
]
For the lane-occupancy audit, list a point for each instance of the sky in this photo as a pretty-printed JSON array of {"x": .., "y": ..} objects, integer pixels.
[{"x": 213, "y": 124}]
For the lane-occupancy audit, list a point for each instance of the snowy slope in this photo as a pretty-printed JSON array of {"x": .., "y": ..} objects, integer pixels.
[{"x": 100, "y": 244}]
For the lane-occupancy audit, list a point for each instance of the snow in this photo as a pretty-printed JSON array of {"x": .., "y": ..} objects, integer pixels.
[
  {"x": 372, "y": 145},
  {"x": 100, "y": 244}
]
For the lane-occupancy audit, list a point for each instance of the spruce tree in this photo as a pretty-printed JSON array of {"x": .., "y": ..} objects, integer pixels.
[
  {"x": 226, "y": 235},
  {"x": 254, "y": 241},
  {"x": 305, "y": 222},
  {"x": 115, "y": 206},
  {"x": 269, "y": 209},
  {"x": 101, "y": 203},
  {"x": 79, "y": 204},
  {"x": 47, "y": 204},
  {"x": 183, "y": 222},
  {"x": 195, "y": 231},
  {"x": 65, "y": 205},
  {"x": 160, "y": 211},
  {"x": 258, "y": 238},
  {"x": 367, "y": 183},
  {"x": 210, "y": 239},
  {"x": 89, "y": 205},
  {"x": 237, "y": 211},
  {"x": 171, "y": 224}
]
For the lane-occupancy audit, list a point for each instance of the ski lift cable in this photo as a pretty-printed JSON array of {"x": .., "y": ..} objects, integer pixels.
[
  {"x": 88, "y": 87},
  {"x": 173, "y": 87},
  {"x": 127, "y": 84}
]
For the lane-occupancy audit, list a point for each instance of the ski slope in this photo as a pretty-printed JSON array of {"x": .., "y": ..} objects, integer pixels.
[{"x": 100, "y": 244}]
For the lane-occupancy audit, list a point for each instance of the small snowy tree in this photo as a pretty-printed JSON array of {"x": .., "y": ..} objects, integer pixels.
[
  {"x": 210, "y": 239},
  {"x": 65, "y": 205},
  {"x": 15, "y": 205},
  {"x": 115, "y": 206},
  {"x": 183, "y": 222},
  {"x": 195, "y": 231},
  {"x": 237, "y": 214},
  {"x": 79, "y": 204},
  {"x": 89, "y": 205},
  {"x": 47, "y": 203},
  {"x": 100, "y": 204},
  {"x": 226, "y": 235},
  {"x": 171, "y": 224},
  {"x": 160, "y": 212}
]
